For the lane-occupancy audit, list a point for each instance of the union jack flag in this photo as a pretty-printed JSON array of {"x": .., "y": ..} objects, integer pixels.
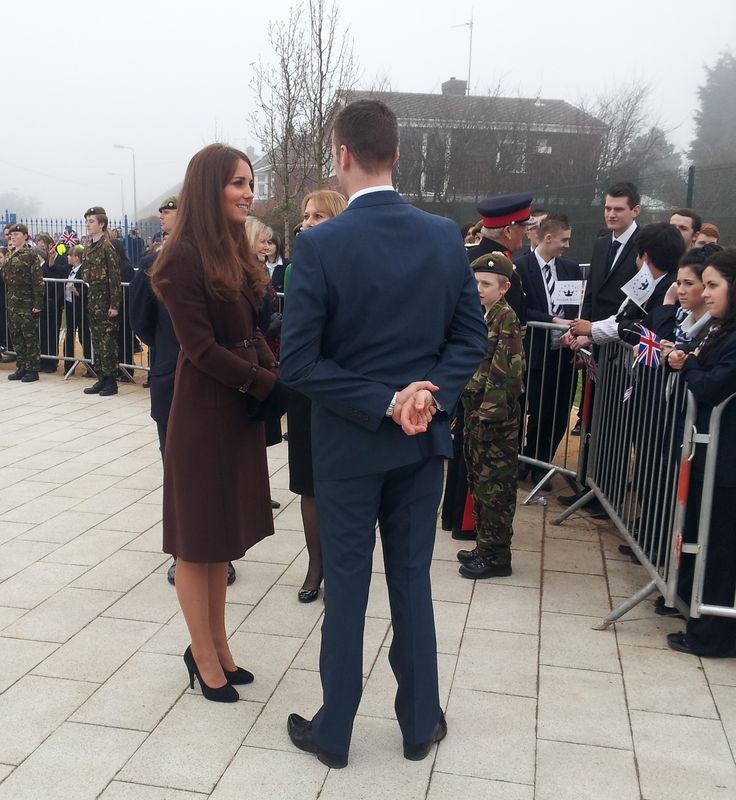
[
  {"x": 69, "y": 238},
  {"x": 649, "y": 349}
]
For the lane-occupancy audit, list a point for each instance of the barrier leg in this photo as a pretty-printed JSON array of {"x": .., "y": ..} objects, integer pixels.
[
  {"x": 584, "y": 500},
  {"x": 538, "y": 487},
  {"x": 625, "y": 607}
]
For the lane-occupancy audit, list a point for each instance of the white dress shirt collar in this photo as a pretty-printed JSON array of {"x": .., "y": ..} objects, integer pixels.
[
  {"x": 625, "y": 236},
  {"x": 361, "y": 192}
]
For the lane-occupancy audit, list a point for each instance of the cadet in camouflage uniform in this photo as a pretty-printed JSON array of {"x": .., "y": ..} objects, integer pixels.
[
  {"x": 102, "y": 273},
  {"x": 24, "y": 292},
  {"x": 491, "y": 444}
]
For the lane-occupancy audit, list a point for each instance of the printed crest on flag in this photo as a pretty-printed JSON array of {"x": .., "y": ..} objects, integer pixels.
[{"x": 568, "y": 293}]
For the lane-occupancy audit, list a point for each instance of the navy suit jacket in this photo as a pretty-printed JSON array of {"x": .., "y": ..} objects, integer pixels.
[
  {"x": 380, "y": 296},
  {"x": 603, "y": 294},
  {"x": 536, "y": 301}
]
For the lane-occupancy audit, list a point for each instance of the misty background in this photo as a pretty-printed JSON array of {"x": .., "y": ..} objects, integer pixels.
[{"x": 167, "y": 78}]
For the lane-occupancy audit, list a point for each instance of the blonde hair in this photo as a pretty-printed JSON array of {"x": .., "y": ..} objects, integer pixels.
[
  {"x": 255, "y": 230},
  {"x": 327, "y": 201}
]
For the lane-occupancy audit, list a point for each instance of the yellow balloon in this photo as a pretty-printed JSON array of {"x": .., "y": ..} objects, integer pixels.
[{"x": 61, "y": 249}]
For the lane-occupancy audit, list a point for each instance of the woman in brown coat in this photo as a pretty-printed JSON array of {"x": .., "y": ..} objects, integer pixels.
[{"x": 216, "y": 493}]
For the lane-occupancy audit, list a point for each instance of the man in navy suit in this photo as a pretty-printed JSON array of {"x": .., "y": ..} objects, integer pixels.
[
  {"x": 382, "y": 329},
  {"x": 551, "y": 368}
]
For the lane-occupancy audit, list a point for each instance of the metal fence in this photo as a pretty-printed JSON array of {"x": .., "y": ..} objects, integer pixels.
[{"x": 64, "y": 334}]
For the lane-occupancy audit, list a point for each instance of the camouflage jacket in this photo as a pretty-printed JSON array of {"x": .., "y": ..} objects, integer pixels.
[
  {"x": 492, "y": 394},
  {"x": 24, "y": 278},
  {"x": 102, "y": 273}
]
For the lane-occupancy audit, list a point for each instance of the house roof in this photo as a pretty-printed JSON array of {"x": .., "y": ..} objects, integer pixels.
[{"x": 424, "y": 110}]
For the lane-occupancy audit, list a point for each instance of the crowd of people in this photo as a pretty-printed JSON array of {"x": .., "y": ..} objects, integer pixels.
[{"x": 371, "y": 385}]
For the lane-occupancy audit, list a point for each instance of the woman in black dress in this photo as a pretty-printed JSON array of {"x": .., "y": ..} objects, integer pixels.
[{"x": 317, "y": 207}]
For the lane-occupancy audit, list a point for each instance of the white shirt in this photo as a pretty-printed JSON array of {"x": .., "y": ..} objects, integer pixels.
[
  {"x": 272, "y": 266},
  {"x": 361, "y": 192},
  {"x": 623, "y": 238},
  {"x": 606, "y": 330},
  {"x": 68, "y": 286}
]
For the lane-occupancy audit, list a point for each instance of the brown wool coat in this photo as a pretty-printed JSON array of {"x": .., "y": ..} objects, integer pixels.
[{"x": 216, "y": 492}]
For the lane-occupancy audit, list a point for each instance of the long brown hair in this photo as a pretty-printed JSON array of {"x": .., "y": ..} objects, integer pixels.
[{"x": 200, "y": 220}]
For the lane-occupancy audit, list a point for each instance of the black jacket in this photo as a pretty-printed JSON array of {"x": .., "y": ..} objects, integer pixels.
[{"x": 603, "y": 292}]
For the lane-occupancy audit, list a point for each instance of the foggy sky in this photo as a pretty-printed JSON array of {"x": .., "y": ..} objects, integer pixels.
[{"x": 167, "y": 77}]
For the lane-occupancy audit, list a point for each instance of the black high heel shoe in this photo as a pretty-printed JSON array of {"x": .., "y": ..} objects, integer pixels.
[
  {"x": 238, "y": 676},
  {"x": 308, "y": 595},
  {"x": 220, "y": 694}
]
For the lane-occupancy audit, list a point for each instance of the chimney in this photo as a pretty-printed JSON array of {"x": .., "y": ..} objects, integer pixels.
[{"x": 455, "y": 87}]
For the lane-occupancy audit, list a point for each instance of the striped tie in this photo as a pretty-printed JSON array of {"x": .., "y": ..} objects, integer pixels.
[{"x": 550, "y": 281}]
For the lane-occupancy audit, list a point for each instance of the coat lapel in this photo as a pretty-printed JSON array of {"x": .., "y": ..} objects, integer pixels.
[{"x": 624, "y": 253}]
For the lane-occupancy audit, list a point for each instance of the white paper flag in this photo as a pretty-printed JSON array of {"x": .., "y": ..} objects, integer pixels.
[
  {"x": 640, "y": 287},
  {"x": 568, "y": 293}
]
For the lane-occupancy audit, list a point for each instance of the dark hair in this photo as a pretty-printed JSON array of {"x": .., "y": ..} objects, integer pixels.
[
  {"x": 625, "y": 189},
  {"x": 725, "y": 263},
  {"x": 697, "y": 257},
  {"x": 466, "y": 228},
  {"x": 369, "y": 130},
  {"x": 46, "y": 238},
  {"x": 663, "y": 245},
  {"x": 553, "y": 223},
  {"x": 693, "y": 215},
  {"x": 222, "y": 245},
  {"x": 279, "y": 242},
  {"x": 118, "y": 245}
]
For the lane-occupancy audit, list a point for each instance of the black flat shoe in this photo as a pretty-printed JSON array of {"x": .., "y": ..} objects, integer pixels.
[
  {"x": 230, "y": 573},
  {"x": 416, "y": 752},
  {"x": 275, "y": 504},
  {"x": 218, "y": 694},
  {"x": 308, "y": 595},
  {"x": 678, "y": 641},
  {"x": 171, "y": 574},
  {"x": 238, "y": 676},
  {"x": 300, "y": 733}
]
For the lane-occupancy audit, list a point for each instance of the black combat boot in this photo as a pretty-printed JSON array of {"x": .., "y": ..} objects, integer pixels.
[
  {"x": 96, "y": 386},
  {"x": 17, "y": 375},
  {"x": 30, "y": 376},
  {"x": 110, "y": 387}
]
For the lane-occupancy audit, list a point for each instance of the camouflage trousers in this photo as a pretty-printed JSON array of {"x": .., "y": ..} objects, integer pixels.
[
  {"x": 104, "y": 333},
  {"x": 492, "y": 461},
  {"x": 23, "y": 325}
]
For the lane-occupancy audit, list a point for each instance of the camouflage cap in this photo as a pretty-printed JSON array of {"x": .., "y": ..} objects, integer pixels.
[
  {"x": 96, "y": 211},
  {"x": 170, "y": 202},
  {"x": 494, "y": 262},
  {"x": 18, "y": 227}
]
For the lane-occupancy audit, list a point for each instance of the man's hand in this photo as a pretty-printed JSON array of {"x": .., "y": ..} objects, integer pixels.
[
  {"x": 581, "y": 327},
  {"x": 670, "y": 297},
  {"x": 112, "y": 313},
  {"x": 419, "y": 409},
  {"x": 580, "y": 341}
]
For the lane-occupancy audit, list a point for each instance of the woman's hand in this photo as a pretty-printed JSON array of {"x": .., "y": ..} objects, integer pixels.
[
  {"x": 671, "y": 297},
  {"x": 676, "y": 359}
]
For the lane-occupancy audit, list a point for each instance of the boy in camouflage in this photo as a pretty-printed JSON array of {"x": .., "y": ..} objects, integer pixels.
[
  {"x": 491, "y": 404},
  {"x": 102, "y": 273},
  {"x": 24, "y": 293}
]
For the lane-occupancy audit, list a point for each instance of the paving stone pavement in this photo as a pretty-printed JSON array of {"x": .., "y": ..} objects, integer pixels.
[{"x": 94, "y": 700}]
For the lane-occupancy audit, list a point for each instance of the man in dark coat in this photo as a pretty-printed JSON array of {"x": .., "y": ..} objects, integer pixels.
[{"x": 375, "y": 366}]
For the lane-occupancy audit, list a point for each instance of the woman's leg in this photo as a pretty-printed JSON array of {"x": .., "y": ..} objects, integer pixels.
[
  {"x": 193, "y": 591},
  {"x": 314, "y": 549},
  {"x": 217, "y": 588}
]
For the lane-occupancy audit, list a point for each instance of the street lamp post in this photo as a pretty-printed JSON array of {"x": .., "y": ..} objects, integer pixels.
[
  {"x": 135, "y": 190},
  {"x": 122, "y": 192}
]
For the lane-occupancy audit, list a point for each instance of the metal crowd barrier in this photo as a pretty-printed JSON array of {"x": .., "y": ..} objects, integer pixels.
[
  {"x": 63, "y": 321},
  {"x": 633, "y": 461},
  {"x": 550, "y": 385}
]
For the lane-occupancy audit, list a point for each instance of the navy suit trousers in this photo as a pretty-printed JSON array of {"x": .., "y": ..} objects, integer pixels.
[{"x": 404, "y": 501}]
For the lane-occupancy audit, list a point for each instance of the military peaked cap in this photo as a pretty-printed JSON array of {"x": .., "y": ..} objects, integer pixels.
[{"x": 504, "y": 209}]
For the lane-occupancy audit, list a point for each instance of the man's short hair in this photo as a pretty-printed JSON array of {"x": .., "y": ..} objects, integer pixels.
[
  {"x": 663, "y": 245},
  {"x": 553, "y": 223},
  {"x": 369, "y": 130},
  {"x": 625, "y": 189},
  {"x": 693, "y": 215}
]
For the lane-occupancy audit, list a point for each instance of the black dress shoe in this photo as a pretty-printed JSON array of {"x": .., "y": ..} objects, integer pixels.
[
  {"x": 230, "y": 573},
  {"x": 466, "y": 556},
  {"x": 308, "y": 595},
  {"x": 480, "y": 568},
  {"x": 171, "y": 574},
  {"x": 300, "y": 733},
  {"x": 30, "y": 376},
  {"x": 416, "y": 752},
  {"x": 463, "y": 536},
  {"x": 678, "y": 641},
  {"x": 275, "y": 504}
]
